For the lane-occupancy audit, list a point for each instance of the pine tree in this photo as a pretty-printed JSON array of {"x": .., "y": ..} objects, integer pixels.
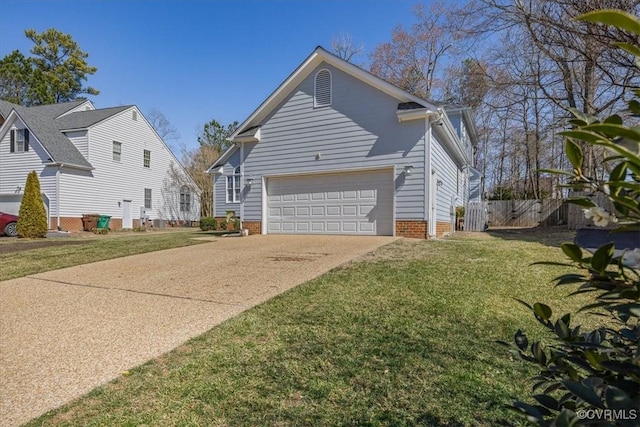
[{"x": 33, "y": 216}]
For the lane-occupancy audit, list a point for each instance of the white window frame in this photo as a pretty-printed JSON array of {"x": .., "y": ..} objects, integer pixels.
[
  {"x": 316, "y": 104},
  {"x": 233, "y": 184},
  {"x": 148, "y": 201},
  {"x": 20, "y": 141},
  {"x": 146, "y": 159},
  {"x": 117, "y": 154}
]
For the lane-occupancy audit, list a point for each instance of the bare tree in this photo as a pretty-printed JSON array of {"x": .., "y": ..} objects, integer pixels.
[
  {"x": 577, "y": 66},
  {"x": 163, "y": 127},
  {"x": 413, "y": 58},
  {"x": 179, "y": 196},
  {"x": 343, "y": 46},
  {"x": 196, "y": 163}
]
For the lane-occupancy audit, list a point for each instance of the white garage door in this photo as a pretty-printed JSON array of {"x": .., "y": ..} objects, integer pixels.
[{"x": 338, "y": 203}]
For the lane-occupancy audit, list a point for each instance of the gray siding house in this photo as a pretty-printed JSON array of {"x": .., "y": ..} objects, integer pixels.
[{"x": 337, "y": 150}]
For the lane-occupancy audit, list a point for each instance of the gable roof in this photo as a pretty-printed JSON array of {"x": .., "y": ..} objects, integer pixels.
[
  {"x": 252, "y": 124},
  {"x": 46, "y": 123},
  {"x": 6, "y": 107},
  {"x": 318, "y": 56},
  {"x": 409, "y": 105},
  {"x": 56, "y": 110},
  {"x": 59, "y": 148},
  {"x": 85, "y": 119}
]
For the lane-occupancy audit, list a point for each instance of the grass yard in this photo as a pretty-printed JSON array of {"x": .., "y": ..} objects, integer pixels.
[
  {"x": 19, "y": 258},
  {"x": 404, "y": 336}
]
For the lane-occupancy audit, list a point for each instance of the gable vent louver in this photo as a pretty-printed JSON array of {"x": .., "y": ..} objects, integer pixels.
[{"x": 322, "y": 93}]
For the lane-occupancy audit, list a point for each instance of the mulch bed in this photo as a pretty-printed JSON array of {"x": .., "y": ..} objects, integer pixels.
[{"x": 27, "y": 246}]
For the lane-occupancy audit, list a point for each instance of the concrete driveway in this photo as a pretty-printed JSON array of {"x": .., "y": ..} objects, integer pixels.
[{"x": 64, "y": 332}]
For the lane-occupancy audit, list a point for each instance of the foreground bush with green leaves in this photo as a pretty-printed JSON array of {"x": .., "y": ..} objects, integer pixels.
[{"x": 591, "y": 376}]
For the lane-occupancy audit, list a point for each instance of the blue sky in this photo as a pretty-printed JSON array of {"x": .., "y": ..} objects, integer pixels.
[{"x": 195, "y": 60}]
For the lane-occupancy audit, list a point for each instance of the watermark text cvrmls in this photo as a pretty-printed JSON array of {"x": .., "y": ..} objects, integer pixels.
[{"x": 607, "y": 414}]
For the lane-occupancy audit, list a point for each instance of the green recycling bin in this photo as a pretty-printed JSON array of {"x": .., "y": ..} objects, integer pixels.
[{"x": 103, "y": 221}]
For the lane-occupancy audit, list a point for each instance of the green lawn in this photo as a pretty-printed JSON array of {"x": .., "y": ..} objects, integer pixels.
[
  {"x": 405, "y": 336},
  {"x": 69, "y": 251}
]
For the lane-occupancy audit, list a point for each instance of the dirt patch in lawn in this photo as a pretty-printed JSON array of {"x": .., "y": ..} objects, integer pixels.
[{"x": 27, "y": 246}]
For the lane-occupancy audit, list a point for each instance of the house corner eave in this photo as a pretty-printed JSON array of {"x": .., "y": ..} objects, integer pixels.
[
  {"x": 214, "y": 171},
  {"x": 415, "y": 114}
]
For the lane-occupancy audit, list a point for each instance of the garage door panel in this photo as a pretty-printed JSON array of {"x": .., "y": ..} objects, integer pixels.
[
  {"x": 366, "y": 227},
  {"x": 302, "y": 227},
  {"x": 333, "y": 226},
  {"x": 333, "y": 210},
  {"x": 367, "y": 194},
  {"x": 274, "y": 227},
  {"x": 349, "y": 195},
  {"x": 288, "y": 226},
  {"x": 275, "y": 212},
  {"x": 349, "y": 203},
  {"x": 350, "y": 210},
  {"x": 365, "y": 210}
]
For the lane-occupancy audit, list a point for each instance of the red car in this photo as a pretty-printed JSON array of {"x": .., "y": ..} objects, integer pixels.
[{"x": 8, "y": 224}]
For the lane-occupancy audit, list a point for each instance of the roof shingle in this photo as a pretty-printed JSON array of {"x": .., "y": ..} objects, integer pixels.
[{"x": 47, "y": 122}]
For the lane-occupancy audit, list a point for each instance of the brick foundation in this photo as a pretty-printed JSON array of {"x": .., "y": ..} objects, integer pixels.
[
  {"x": 420, "y": 229},
  {"x": 75, "y": 224},
  {"x": 254, "y": 227},
  {"x": 443, "y": 229},
  {"x": 412, "y": 229}
]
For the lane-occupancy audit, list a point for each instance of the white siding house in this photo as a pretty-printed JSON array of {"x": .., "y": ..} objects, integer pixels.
[
  {"x": 336, "y": 150},
  {"x": 107, "y": 161}
]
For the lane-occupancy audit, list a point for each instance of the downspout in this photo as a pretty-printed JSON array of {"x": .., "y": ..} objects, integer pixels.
[
  {"x": 427, "y": 171},
  {"x": 58, "y": 195},
  {"x": 429, "y": 177},
  {"x": 242, "y": 186}
]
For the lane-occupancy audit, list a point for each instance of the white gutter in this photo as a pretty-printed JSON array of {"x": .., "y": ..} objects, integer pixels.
[
  {"x": 241, "y": 186},
  {"x": 414, "y": 114},
  {"x": 69, "y": 165},
  {"x": 451, "y": 135}
]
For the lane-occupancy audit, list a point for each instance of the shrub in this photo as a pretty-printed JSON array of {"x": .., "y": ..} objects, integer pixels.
[
  {"x": 593, "y": 376},
  {"x": 33, "y": 216},
  {"x": 208, "y": 224}
]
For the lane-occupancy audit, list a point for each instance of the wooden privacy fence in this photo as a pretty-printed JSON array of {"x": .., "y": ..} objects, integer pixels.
[
  {"x": 526, "y": 213},
  {"x": 475, "y": 216},
  {"x": 530, "y": 213}
]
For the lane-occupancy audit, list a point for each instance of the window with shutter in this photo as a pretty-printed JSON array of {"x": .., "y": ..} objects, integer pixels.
[
  {"x": 19, "y": 141},
  {"x": 322, "y": 89}
]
